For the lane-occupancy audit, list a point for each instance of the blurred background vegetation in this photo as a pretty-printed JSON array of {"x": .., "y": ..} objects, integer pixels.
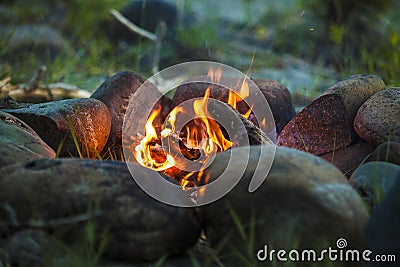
[{"x": 305, "y": 44}]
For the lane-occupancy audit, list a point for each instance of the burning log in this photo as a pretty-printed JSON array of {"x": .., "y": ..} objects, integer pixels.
[
  {"x": 233, "y": 126},
  {"x": 223, "y": 112},
  {"x": 214, "y": 119}
]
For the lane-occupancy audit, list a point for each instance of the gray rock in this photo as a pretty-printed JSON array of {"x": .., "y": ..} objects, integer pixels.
[
  {"x": 377, "y": 119},
  {"x": 19, "y": 142},
  {"x": 31, "y": 248},
  {"x": 303, "y": 201},
  {"x": 89, "y": 118},
  {"x": 63, "y": 195},
  {"x": 374, "y": 179},
  {"x": 327, "y": 123}
]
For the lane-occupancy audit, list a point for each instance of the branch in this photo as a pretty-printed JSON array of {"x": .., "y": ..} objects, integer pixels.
[
  {"x": 160, "y": 34},
  {"x": 133, "y": 27}
]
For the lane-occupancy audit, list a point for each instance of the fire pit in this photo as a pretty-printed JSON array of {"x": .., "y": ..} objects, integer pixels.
[{"x": 216, "y": 108}]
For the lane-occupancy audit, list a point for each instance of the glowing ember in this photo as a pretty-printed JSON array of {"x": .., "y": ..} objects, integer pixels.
[{"x": 202, "y": 134}]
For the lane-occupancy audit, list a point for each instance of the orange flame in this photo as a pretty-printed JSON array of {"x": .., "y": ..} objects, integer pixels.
[
  {"x": 235, "y": 98},
  {"x": 202, "y": 133},
  {"x": 215, "y": 139}
]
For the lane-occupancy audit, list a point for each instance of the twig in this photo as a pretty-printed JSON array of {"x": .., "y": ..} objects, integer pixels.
[
  {"x": 37, "y": 78},
  {"x": 5, "y": 82},
  {"x": 133, "y": 27},
  {"x": 160, "y": 33},
  {"x": 157, "y": 38},
  {"x": 36, "y": 89}
]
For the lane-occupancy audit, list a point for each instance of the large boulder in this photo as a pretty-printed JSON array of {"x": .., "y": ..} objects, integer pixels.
[
  {"x": 304, "y": 200},
  {"x": 326, "y": 124},
  {"x": 19, "y": 142},
  {"x": 63, "y": 195},
  {"x": 74, "y": 127}
]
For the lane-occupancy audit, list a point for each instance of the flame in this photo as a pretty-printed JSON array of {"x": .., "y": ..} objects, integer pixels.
[
  {"x": 215, "y": 139},
  {"x": 143, "y": 151},
  {"x": 235, "y": 98},
  {"x": 202, "y": 133}
]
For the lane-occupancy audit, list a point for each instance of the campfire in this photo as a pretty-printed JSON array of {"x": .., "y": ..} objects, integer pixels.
[{"x": 190, "y": 135}]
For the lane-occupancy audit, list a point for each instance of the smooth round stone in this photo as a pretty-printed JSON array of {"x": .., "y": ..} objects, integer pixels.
[
  {"x": 117, "y": 92},
  {"x": 304, "y": 200},
  {"x": 378, "y": 119},
  {"x": 374, "y": 179},
  {"x": 19, "y": 142},
  {"x": 63, "y": 195},
  {"x": 61, "y": 123}
]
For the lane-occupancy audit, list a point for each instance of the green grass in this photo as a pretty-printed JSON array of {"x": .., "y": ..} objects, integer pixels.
[
  {"x": 95, "y": 58},
  {"x": 228, "y": 253}
]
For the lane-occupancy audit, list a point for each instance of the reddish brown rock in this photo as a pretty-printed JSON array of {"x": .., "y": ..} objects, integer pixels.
[
  {"x": 347, "y": 159},
  {"x": 88, "y": 119},
  {"x": 116, "y": 92},
  {"x": 279, "y": 100},
  {"x": 327, "y": 123},
  {"x": 196, "y": 87},
  {"x": 387, "y": 151},
  {"x": 377, "y": 120},
  {"x": 62, "y": 195},
  {"x": 19, "y": 142}
]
